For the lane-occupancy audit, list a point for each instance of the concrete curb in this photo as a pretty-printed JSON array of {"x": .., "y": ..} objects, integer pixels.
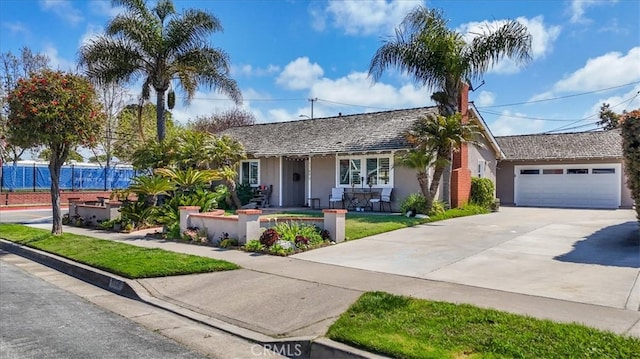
[{"x": 297, "y": 347}]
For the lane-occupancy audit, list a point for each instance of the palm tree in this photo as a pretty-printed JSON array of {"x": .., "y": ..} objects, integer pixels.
[
  {"x": 440, "y": 58},
  {"x": 434, "y": 138},
  {"x": 418, "y": 160},
  {"x": 159, "y": 45}
]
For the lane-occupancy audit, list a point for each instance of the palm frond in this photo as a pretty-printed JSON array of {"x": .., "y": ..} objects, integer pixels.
[{"x": 511, "y": 40}]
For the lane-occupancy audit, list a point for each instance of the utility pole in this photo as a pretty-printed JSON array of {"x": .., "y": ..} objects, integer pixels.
[{"x": 312, "y": 100}]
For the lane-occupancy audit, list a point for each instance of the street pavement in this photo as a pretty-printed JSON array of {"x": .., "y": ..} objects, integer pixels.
[
  {"x": 300, "y": 296},
  {"x": 40, "y": 320},
  {"x": 46, "y": 314}
]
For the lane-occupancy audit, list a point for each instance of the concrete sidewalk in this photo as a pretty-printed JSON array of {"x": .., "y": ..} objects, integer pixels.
[{"x": 284, "y": 297}]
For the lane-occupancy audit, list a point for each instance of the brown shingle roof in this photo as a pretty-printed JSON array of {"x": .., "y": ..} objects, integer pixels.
[
  {"x": 577, "y": 145},
  {"x": 379, "y": 131}
]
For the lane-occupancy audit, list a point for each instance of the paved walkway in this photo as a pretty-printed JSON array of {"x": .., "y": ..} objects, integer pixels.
[
  {"x": 586, "y": 256},
  {"x": 291, "y": 297}
]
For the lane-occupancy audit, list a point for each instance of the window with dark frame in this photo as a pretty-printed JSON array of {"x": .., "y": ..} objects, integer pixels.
[
  {"x": 577, "y": 171},
  {"x": 529, "y": 172},
  {"x": 553, "y": 171},
  {"x": 596, "y": 171}
]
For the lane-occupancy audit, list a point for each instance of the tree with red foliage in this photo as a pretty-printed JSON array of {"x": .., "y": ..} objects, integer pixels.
[{"x": 58, "y": 110}]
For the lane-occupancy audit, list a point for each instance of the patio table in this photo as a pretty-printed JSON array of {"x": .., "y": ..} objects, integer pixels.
[{"x": 356, "y": 199}]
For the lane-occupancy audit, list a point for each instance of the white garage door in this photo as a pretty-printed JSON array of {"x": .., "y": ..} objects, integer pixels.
[{"x": 589, "y": 186}]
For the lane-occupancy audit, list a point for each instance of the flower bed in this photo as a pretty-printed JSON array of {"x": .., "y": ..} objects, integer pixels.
[{"x": 289, "y": 237}]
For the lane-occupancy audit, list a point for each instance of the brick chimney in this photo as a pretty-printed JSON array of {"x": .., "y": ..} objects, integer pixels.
[{"x": 460, "y": 174}]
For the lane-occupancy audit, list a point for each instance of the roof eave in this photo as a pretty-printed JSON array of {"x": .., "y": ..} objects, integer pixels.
[{"x": 487, "y": 132}]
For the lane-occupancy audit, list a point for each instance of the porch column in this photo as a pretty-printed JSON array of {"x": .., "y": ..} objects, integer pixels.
[
  {"x": 309, "y": 195},
  {"x": 280, "y": 183}
]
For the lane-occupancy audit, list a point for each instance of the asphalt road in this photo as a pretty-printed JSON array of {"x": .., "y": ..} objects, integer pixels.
[
  {"x": 40, "y": 320},
  {"x": 27, "y": 216}
]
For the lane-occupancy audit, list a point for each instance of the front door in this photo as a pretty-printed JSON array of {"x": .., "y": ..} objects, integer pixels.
[{"x": 293, "y": 183}]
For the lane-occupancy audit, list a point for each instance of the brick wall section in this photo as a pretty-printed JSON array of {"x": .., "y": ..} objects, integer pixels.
[
  {"x": 460, "y": 187},
  {"x": 461, "y": 175},
  {"x": 44, "y": 198}
]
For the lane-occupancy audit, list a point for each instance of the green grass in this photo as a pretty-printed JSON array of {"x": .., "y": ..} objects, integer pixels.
[
  {"x": 404, "y": 327},
  {"x": 360, "y": 225},
  {"x": 119, "y": 258}
]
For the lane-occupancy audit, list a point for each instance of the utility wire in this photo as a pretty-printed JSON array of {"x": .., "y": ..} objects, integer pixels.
[
  {"x": 528, "y": 117},
  {"x": 561, "y": 97},
  {"x": 564, "y": 127},
  {"x": 353, "y": 105},
  {"x": 631, "y": 101}
]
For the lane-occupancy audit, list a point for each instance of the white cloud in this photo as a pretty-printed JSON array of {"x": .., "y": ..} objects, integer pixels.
[
  {"x": 250, "y": 71},
  {"x": 542, "y": 39},
  {"x": 485, "y": 98},
  {"x": 608, "y": 70},
  {"x": 364, "y": 17},
  {"x": 16, "y": 28},
  {"x": 92, "y": 31},
  {"x": 577, "y": 9},
  {"x": 626, "y": 101},
  {"x": 357, "y": 89},
  {"x": 101, "y": 7},
  {"x": 511, "y": 124},
  {"x": 63, "y": 9},
  {"x": 56, "y": 61},
  {"x": 299, "y": 74}
]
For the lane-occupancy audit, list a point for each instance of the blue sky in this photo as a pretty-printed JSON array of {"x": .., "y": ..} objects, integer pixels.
[{"x": 285, "y": 52}]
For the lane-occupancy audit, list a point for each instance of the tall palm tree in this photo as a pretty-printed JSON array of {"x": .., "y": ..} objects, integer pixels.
[
  {"x": 440, "y": 58},
  {"x": 159, "y": 45}
]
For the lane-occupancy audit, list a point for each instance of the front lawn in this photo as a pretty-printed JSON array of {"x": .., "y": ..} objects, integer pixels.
[
  {"x": 404, "y": 327},
  {"x": 119, "y": 258},
  {"x": 360, "y": 225}
]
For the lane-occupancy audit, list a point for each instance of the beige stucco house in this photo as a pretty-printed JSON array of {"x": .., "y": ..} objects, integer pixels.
[{"x": 305, "y": 159}]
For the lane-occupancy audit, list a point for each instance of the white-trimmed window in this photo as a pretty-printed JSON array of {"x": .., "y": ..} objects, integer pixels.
[
  {"x": 365, "y": 170},
  {"x": 481, "y": 166},
  {"x": 250, "y": 172}
]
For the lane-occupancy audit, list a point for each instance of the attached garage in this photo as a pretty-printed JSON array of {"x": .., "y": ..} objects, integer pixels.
[
  {"x": 581, "y": 185},
  {"x": 582, "y": 169}
]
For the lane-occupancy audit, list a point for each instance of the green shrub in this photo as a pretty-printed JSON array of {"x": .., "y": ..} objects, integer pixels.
[
  {"x": 482, "y": 190},
  {"x": 254, "y": 245},
  {"x": 245, "y": 192},
  {"x": 228, "y": 242},
  {"x": 437, "y": 208},
  {"x": 414, "y": 201},
  {"x": 291, "y": 230}
]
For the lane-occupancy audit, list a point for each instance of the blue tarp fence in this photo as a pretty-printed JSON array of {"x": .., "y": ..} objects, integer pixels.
[{"x": 72, "y": 177}]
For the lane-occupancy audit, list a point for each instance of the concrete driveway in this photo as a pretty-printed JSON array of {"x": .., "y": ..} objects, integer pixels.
[{"x": 587, "y": 256}]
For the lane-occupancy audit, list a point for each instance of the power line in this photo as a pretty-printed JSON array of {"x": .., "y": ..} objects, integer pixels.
[
  {"x": 564, "y": 127},
  {"x": 528, "y": 117},
  {"x": 560, "y": 97},
  {"x": 353, "y": 105}
]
